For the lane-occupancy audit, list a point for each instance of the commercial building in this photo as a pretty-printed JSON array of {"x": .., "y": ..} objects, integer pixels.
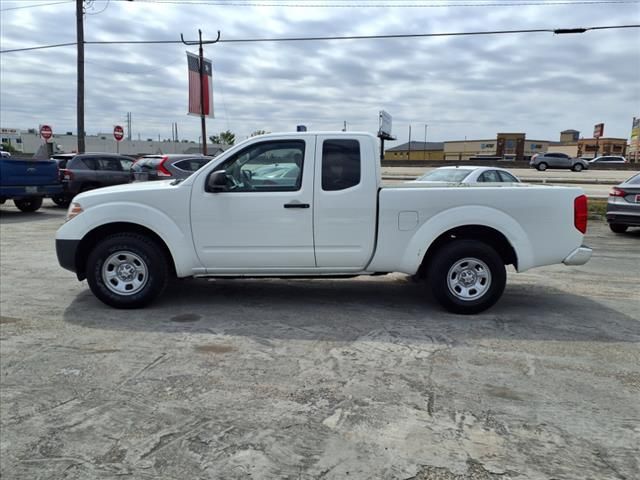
[
  {"x": 633, "y": 152},
  {"x": 416, "y": 151},
  {"x": 29, "y": 142},
  {"x": 509, "y": 146},
  {"x": 593, "y": 147}
]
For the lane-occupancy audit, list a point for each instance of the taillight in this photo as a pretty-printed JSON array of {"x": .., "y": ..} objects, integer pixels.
[
  {"x": 66, "y": 175},
  {"x": 617, "y": 192},
  {"x": 162, "y": 170},
  {"x": 580, "y": 213}
]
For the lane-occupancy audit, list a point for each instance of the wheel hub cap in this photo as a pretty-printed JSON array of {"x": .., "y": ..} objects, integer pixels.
[
  {"x": 125, "y": 273},
  {"x": 469, "y": 279}
]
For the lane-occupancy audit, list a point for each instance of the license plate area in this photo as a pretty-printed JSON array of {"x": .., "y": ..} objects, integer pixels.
[{"x": 31, "y": 189}]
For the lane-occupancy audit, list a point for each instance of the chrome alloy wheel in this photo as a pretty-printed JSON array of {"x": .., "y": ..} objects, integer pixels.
[
  {"x": 469, "y": 279},
  {"x": 125, "y": 273}
]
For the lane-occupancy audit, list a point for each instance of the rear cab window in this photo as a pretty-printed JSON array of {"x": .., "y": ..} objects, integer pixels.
[{"x": 341, "y": 164}]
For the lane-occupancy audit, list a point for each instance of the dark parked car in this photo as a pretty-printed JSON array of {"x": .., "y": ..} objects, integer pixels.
[
  {"x": 82, "y": 172},
  {"x": 165, "y": 167},
  {"x": 542, "y": 161},
  {"x": 623, "y": 207}
]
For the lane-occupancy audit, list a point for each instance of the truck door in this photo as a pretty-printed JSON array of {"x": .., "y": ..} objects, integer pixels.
[
  {"x": 263, "y": 221},
  {"x": 345, "y": 201}
]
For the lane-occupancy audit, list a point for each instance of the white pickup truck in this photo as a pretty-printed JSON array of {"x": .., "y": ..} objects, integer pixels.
[{"x": 312, "y": 205}]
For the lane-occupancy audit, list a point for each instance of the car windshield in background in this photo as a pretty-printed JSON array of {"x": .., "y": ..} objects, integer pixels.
[{"x": 451, "y": 175}]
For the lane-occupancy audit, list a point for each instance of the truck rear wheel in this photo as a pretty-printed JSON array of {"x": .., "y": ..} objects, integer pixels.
[
  {"x": 467, "y": 276},
  {"x": 30, "y": 204},
  {"x": 127, "y": 270}
]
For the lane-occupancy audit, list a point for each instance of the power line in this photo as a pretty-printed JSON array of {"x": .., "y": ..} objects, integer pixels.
[
  {"x": 35, "y": 5},
  {"x": 351, "y": 37},
  {"x": 386, "y": 4}
]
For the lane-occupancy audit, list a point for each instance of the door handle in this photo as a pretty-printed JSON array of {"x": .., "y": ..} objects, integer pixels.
[{"x": 296, "y": 205}]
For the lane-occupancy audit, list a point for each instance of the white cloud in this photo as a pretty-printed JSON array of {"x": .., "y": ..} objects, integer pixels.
[{"x": 461, "y": 86}]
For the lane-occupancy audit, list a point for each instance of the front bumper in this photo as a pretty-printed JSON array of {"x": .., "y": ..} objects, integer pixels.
[
  {"x": 66, "y": 251},
  {"x": 579, "y": 256}
]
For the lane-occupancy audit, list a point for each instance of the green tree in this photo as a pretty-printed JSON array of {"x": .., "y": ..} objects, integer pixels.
[
  {"x": 7, "y": 147},
  {"x": 259, "y": 132},
  {"x": 224, "y": 138}
]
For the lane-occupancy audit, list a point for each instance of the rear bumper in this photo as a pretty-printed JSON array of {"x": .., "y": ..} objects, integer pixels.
[
  {"x": 624, "y": 218},
  {"x": 25, "y": 191},
  {"x": 579, "y": 256},
  {"x": 66, "y": 251}
]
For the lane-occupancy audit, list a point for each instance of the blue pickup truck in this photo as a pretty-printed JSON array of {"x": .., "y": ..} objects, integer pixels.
[{"x": 27, "y": 182}]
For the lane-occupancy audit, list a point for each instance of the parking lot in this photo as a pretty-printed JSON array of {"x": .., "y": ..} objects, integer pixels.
[{"x": 365, "y": 378}]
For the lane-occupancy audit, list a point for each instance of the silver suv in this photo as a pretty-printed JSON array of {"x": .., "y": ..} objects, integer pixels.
[{"x": 542, "y": 161}]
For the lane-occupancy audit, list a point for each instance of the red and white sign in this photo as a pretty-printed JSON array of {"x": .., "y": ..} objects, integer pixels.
[
  {"x": 200, "y": 85},
  {"x": 46, "y": 132},
  {"x": 598, "y": 130},
  {"x": 118, "y": 133}
]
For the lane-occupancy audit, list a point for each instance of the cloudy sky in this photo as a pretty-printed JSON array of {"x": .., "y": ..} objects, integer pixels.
[{"x": 465, "y": 86}]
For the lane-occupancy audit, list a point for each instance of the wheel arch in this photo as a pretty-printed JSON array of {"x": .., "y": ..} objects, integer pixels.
[
  {"x": 94, "y": 236},
  {"x": 482, "y": 233}
]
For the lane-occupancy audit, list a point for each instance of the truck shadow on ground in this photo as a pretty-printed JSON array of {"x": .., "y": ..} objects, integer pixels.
[
  {"x": 346, "y": 310},
  {"x": 13, "y": 215}
]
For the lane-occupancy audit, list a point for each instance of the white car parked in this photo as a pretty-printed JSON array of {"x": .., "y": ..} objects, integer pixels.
[{"x": 467, "y": 174}]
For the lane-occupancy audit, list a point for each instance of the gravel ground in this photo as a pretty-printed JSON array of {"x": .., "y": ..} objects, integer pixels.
[{"x": 303, "y": 379}]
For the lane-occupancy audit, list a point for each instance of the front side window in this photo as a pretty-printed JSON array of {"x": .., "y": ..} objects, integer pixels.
[
  {"x": 340, "y": 164},
  {"x": 269, "y": 166},
  {"x": 109, "y": 164}
]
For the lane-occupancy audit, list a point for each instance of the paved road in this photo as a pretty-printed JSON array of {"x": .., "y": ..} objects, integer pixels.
[{"x": 306, "y": 379}]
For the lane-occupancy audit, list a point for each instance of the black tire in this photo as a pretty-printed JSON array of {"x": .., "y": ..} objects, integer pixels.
[
  {"x": 128, "y": 248},
  {"x": 542, "y": 166},
  {"x": 61, "y": 200},
  {"x": 578, "y": 167},
  {"x": 483, "y": 262},
  {"x": 618, "y": 228},
  {"x": 30, "y": 204}
]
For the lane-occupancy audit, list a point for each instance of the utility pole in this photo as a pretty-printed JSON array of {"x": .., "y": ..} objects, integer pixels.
[
  {"x": 425, "y": 141},
  {"x": 409, "y": 154},
  {"x": 201, "y": 55},
  {"x": 128, "y": 125},
  {"x": 80, "y": 71}
]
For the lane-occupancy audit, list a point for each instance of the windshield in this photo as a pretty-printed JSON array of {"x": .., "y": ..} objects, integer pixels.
[{"x": 452, "y": 175}]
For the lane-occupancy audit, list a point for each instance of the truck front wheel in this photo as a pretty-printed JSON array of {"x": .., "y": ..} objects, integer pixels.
[
  {"x": 30, "y": 204},
  {"x": 467, "y": 276},
  {"x": 127, "y": 270}
]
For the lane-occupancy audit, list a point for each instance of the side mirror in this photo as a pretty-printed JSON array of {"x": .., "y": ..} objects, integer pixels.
[{"x": 217, "y": 182}]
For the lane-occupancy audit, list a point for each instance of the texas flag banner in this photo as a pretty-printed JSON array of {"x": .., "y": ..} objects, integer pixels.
[{"x": 194, "y": 85}]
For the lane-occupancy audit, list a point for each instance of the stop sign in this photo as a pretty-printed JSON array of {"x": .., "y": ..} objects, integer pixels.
[
  {"x": 118, "y": 133},
  {"x": 46, "y": 132}
]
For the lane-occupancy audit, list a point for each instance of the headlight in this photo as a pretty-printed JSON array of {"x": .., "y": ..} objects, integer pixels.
[{"x": 74, "y": 210}]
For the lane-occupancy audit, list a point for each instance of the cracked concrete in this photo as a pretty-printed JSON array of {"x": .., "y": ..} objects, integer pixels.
[{"x": 307, "y": 379}]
